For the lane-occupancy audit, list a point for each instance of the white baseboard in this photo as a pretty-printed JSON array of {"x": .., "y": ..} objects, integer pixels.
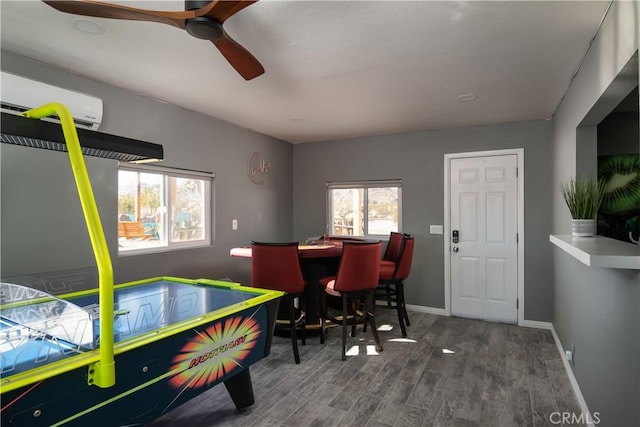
[
  {"x": 572, "y": 379},
  {"x": 442, "y": 312},
  {"x": 430, "y": 310},
  {"x": 537, "y": 324}
]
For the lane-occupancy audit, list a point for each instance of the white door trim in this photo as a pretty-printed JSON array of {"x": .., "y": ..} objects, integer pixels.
[{"x": 519, "y": 152}]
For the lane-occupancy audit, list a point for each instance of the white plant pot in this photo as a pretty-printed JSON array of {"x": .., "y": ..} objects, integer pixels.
[{"x": 583, "y": 227}]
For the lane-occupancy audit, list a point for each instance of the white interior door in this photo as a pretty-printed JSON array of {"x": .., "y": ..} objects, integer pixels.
[{"x": 484, "y": 215}]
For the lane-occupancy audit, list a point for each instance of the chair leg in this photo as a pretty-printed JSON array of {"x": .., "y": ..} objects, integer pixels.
[
  {"x": 354, "y": 311},
  {"x": 364, "y": 325},
  {"x": 303, "y": 319},
  {"x": 399, "y": 306},
  {"x": 400, "y": 291},
  {"x": 344, "y": 326},
  {"x": 365, "y": 312},
  {"x": 387, "y": 290},
  {"x": 293, "y": 327},
  {"x": 323, "y": 315},
  {"x": 370, "y": 307},
  {"x": 400, "y": 310}
]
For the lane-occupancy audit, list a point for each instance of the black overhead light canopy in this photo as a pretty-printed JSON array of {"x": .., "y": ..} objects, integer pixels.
[{"x": 36, "y": 133}]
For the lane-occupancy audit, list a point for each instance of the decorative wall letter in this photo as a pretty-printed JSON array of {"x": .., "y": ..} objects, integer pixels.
[{"x": 256, "y": 166}]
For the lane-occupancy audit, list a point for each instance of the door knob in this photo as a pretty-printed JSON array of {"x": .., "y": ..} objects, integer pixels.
[{"x": 455, "y": 249}]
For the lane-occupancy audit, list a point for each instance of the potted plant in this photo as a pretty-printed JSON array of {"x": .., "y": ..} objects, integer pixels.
[{"x": 583, "y": 196}]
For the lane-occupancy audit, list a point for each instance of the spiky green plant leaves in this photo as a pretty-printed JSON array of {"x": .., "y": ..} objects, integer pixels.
[{"x": 583, "y": 196}]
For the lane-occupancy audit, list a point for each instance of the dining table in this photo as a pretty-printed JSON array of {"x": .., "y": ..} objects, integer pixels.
[
  {"x": 307, "y": 250},
  {"x": 317, "y": 260}
]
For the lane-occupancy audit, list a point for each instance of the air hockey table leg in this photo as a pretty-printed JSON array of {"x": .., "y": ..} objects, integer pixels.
[{"x": 240, "y": 389}]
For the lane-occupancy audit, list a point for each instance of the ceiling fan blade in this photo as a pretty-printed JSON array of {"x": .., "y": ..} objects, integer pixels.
[
  {"x": 205, "y": 22},
  {"x": 108, "y": 10},
  {"x": 239, "y": 57},
  {"x": 221, "y": 10}
]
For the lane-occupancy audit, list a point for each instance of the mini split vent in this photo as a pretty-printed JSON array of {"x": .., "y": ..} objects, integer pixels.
[
  {"x": 20, "y": 94},
  {"x": 15, "y": 109},
  {"x": 40, "y": 134}
]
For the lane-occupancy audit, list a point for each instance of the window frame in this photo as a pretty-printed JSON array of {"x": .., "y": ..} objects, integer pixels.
[
  {"x": 363, "y": 185},
  {"x": 167, "y": 173}
]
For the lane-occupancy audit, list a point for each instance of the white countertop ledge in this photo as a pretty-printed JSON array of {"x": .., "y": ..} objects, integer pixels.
[{"x": 599, "y": 251}]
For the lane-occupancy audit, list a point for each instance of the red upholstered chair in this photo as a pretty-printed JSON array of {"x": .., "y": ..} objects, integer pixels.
[
  {"x": 389, "y": 260},
  {"x": 277, "y": 266},
  {"x": 392, "y": 253},
  {"x": 357, "y": 276},
  {"x": 391, "y": 283}
]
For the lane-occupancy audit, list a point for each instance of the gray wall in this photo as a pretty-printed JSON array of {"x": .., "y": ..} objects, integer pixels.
[
  {"x": 418, "y": 159},
  {"x": 42, "y": 225},
  {"x": 597, "y": 309}
]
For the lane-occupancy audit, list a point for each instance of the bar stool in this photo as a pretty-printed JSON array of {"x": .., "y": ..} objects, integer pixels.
[
  {"x": 357, "y": 276},
  {"x": 392, "y": 252},
  {"x": 391, "y": 282},
  {"x": 277, "y": 266},
  {"x": 389, "y": 260}
]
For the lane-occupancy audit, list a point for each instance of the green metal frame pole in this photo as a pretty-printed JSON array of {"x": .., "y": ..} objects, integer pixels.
[{"x": 101, "y": 373}]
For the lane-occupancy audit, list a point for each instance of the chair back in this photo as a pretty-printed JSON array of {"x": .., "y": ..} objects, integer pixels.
[
  {"x": 392, "y": 253},
  {"x": 359, "y": 267},
  {"x": 403, "y": 267},
  {"x": 276, "y": 266}
]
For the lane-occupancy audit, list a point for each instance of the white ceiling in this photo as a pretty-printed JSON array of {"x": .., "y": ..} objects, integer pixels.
[{"x": 334, "y": 69}]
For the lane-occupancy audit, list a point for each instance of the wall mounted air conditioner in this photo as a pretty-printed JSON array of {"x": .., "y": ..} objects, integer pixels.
[{"x": 19, "y": 94}]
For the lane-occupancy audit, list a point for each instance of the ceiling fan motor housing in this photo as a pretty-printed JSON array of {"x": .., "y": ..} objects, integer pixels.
[
  {"x": 192, "y": 5},
  {"x": 204, "y": 28}
]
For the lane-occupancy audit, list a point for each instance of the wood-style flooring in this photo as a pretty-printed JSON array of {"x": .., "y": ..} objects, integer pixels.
[{"x": 448, "y": 372}]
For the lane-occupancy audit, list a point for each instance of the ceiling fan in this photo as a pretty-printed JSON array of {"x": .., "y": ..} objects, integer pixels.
[{"x": 201, "y": 19}]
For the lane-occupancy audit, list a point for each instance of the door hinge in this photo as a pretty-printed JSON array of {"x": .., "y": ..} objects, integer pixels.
[
  {"x": 517, "y": 237},
  {"x": 517, "y": 171},
  {"x": 517, "y": 304}
]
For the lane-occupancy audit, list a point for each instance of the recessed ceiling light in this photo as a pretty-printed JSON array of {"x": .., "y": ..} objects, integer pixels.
[
  {"x": 89, "y": 27},
  {"x": 468, "y": 97}
]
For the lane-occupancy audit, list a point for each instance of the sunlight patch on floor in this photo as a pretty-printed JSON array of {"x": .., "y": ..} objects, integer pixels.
[
  {"x": 353, "y": 351},
  {"x": 371, "y": 350},
  {"x": 403, "y": 340}
]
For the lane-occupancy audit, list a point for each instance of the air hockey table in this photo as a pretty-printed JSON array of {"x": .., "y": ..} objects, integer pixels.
[
  {"x": 125, "y": 354},
  {"x": 173, "y": 339}
]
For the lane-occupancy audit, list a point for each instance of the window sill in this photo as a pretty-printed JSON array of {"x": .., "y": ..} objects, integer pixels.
[
  {"x": 599, "y": 251},
  {"x": 162, "y": 249}
]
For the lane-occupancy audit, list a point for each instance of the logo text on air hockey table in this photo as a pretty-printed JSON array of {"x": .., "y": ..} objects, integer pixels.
[{"x": 215, "y": 352}]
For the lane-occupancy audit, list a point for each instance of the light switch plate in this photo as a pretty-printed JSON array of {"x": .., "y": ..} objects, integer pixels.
[
  {"x": 436, "y": 229},
  {"x": 234, "y": 224}
]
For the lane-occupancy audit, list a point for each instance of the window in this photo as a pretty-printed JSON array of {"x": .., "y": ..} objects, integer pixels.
[
  {"x": 366, "y": 208},
  {"x": 162, "y": 209}
]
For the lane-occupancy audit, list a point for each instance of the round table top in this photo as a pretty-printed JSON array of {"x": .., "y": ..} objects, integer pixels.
[{"x": 306, "y": 250}]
